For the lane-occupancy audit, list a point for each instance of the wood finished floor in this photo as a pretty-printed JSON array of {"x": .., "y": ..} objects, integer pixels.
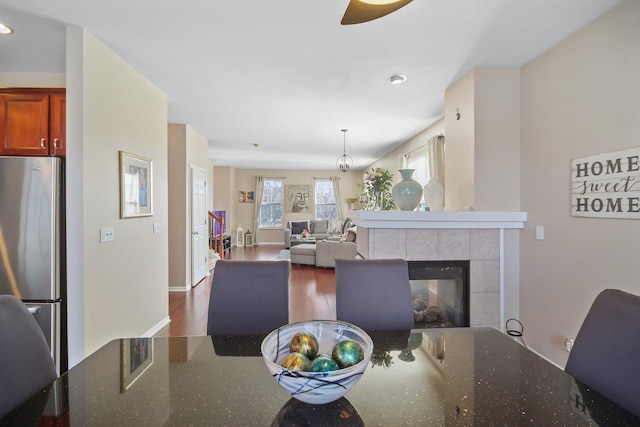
[{"x": 312, "y": 295}]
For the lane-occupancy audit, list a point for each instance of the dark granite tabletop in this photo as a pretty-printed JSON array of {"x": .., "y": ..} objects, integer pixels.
[{"x": 436, "y": 377}]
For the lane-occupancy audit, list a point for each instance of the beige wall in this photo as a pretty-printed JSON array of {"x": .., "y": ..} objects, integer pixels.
[
  {"x": 497, "y": 139},
  {"x": 117, "y": 288},
  {"x": 579, "y": 98},
  {"x": 459, "y": 170},
  {"x": 187, "y": 148},
  {"x": 485, "y": 139},
  {"x": 223, "y": 189},
  {"x": 245, "y": 179}
]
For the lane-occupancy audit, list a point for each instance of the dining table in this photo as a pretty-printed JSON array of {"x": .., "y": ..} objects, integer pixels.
[{"x": 418, "y": 377}]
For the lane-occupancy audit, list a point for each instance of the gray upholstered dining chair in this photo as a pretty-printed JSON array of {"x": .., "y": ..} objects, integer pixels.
[
  {"x": 248, "y": 297},
  {"x": 26, "y": 366},
  {"x": 606, "y": 353},
  {"x": 374, "y": 294}
]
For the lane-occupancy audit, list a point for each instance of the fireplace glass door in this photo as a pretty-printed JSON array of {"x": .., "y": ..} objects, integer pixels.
[{"x": 440, "y": 293}]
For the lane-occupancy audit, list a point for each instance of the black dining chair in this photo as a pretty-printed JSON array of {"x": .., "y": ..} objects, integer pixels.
[
  {"x": 606, "y": 352},
  {"x": 248, "y": 297},
  {"x": 374, "y": 294},
  {"x": 26, "y": 366}
]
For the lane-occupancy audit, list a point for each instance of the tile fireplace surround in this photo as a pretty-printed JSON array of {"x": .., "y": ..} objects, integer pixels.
[{"x": 488, "y": 240}]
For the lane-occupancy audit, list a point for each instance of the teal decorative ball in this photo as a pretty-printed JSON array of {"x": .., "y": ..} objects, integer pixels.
[
  {"x": 323, "y": 363},
  {"x": 347, "y": 353}
]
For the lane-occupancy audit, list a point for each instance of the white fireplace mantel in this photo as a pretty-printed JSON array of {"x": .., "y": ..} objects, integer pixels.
[
  {"x": 489, "y": 240},
  {"x": 438, "y": 219}
]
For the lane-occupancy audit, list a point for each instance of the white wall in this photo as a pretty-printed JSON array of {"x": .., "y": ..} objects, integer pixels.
[
  {"x": 579, "y": 98},
  {"x": 49, "y": 80},
  {"x": 119, "y": 288}
]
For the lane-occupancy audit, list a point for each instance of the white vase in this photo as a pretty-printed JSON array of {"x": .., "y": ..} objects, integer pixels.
[{"x": 434, "y": 195}]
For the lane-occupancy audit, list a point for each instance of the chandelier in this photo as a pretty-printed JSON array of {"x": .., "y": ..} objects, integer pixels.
[{"x": 344, "y": 162}]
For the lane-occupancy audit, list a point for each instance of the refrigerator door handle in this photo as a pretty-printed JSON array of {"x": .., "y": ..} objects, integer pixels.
[{"x": 34, "y": 310}]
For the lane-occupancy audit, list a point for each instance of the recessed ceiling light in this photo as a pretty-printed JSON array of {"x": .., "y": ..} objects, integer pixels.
[
  {"x": 4, "y": 29},
  {"x": 397, "y": 79}
]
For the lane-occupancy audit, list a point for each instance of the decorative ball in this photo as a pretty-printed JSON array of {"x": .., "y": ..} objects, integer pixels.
[
  {"x": 296, "y": 362},
  {"x": 305, "y": 343},
  {"x": 347, "y": 353},
  {"x": 323, "y": 363}
]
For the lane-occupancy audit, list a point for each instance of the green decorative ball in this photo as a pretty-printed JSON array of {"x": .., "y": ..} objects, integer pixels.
[
  {"x": 347, "y": 353},
  {"x": 323, "y": 363},
  {"x": 305, "y": 343},
  {"x": 296, "y": 362}
]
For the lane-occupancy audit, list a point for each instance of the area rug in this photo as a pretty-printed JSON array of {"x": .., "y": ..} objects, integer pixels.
[{"x": 284, "y": 254}]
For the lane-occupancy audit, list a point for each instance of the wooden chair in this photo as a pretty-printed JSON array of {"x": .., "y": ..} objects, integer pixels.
[
  {"x": 374, "y": 294},
  {"x": 248, "y": 297},
  {"x": 606, "y": 353},
  {"x": 26, "y": 366}
]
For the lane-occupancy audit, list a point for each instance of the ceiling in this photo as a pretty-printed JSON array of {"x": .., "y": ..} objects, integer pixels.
[{"x": 285, "y": 75}]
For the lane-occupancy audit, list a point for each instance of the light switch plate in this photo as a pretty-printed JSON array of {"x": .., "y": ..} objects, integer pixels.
[
  {"x": 106, "y": 234},
  {"x": 156, "y": 227},
  {"x": 539, "y": 232}
]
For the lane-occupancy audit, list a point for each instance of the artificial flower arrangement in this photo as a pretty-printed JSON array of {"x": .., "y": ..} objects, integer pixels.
[
  {"x": 376, "y": 190},
  {"x": 305, "y": 234}
]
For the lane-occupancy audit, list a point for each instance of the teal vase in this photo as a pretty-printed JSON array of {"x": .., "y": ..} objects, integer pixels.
[{"x": 408, "y": 192}]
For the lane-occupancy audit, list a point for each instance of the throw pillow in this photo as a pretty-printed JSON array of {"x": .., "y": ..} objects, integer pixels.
[
  {"x": 351, "y": 234},
  {"x": 334, "y": 226},
  {"x": 319, "y": 226},
  {"x": 298, "y": 226},
  {"x": 346, "y": 225}
]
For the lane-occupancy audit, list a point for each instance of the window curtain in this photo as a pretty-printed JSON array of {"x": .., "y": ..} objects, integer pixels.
[
  {"x": 435, "y": 150},
  {"x": 256, "y": 208},
  {"x": 336, "y": 193}
]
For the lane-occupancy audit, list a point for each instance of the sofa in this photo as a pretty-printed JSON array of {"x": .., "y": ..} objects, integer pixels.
[
  {"x": 319, "y": 229},
  {"x": 328, "y": 251},
  {"x": 325, "y": 251}
]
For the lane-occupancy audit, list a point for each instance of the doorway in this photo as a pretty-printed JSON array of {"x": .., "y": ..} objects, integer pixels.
[{"x": 199, "y": 241}]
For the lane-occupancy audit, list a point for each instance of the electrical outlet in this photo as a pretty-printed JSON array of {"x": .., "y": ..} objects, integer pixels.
[
  {"x": 106, "y": 234},
  {"x": 568, "y": 343}
]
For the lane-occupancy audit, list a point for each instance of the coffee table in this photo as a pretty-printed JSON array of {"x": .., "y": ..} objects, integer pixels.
[{"x": 297, "y": 240}]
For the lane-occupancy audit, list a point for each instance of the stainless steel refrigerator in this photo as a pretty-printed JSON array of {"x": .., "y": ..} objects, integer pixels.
[{"x": 31, "y": 243}]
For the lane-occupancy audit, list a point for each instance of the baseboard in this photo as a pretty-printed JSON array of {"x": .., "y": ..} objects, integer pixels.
[
  {"x": 269, "y": 244},
  {"x": 178, "y": 289},
  {"x": 154, "y": 330}
]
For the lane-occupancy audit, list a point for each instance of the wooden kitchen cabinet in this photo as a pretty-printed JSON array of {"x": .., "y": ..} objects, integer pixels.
[{"x": 33, "y": 122}]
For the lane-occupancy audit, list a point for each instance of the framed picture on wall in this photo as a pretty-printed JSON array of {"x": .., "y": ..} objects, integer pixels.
[
  {"x": 246, "y": 196},
  {"x": 136, "y": 186},
  {"x": 298, "y": 198}
]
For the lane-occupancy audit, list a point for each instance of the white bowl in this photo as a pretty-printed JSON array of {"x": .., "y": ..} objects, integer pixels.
[{"x": 316, "y": 387}]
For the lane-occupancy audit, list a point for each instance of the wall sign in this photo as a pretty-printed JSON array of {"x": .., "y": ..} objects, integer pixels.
[{"x": 606, "y": 185}]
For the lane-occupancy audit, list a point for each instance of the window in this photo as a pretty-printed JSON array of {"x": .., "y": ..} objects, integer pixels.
[
  {"x": 419, "y": 161},
  {"x": 271, "y": 204},
  {"x": 325, "y": 200}
]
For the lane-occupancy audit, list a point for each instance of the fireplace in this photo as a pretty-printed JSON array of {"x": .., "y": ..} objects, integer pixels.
[{"x": 440, "y": 293}]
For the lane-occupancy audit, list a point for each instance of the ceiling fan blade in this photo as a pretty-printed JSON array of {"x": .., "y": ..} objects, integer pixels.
[{"x": 358, "y": 12}]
